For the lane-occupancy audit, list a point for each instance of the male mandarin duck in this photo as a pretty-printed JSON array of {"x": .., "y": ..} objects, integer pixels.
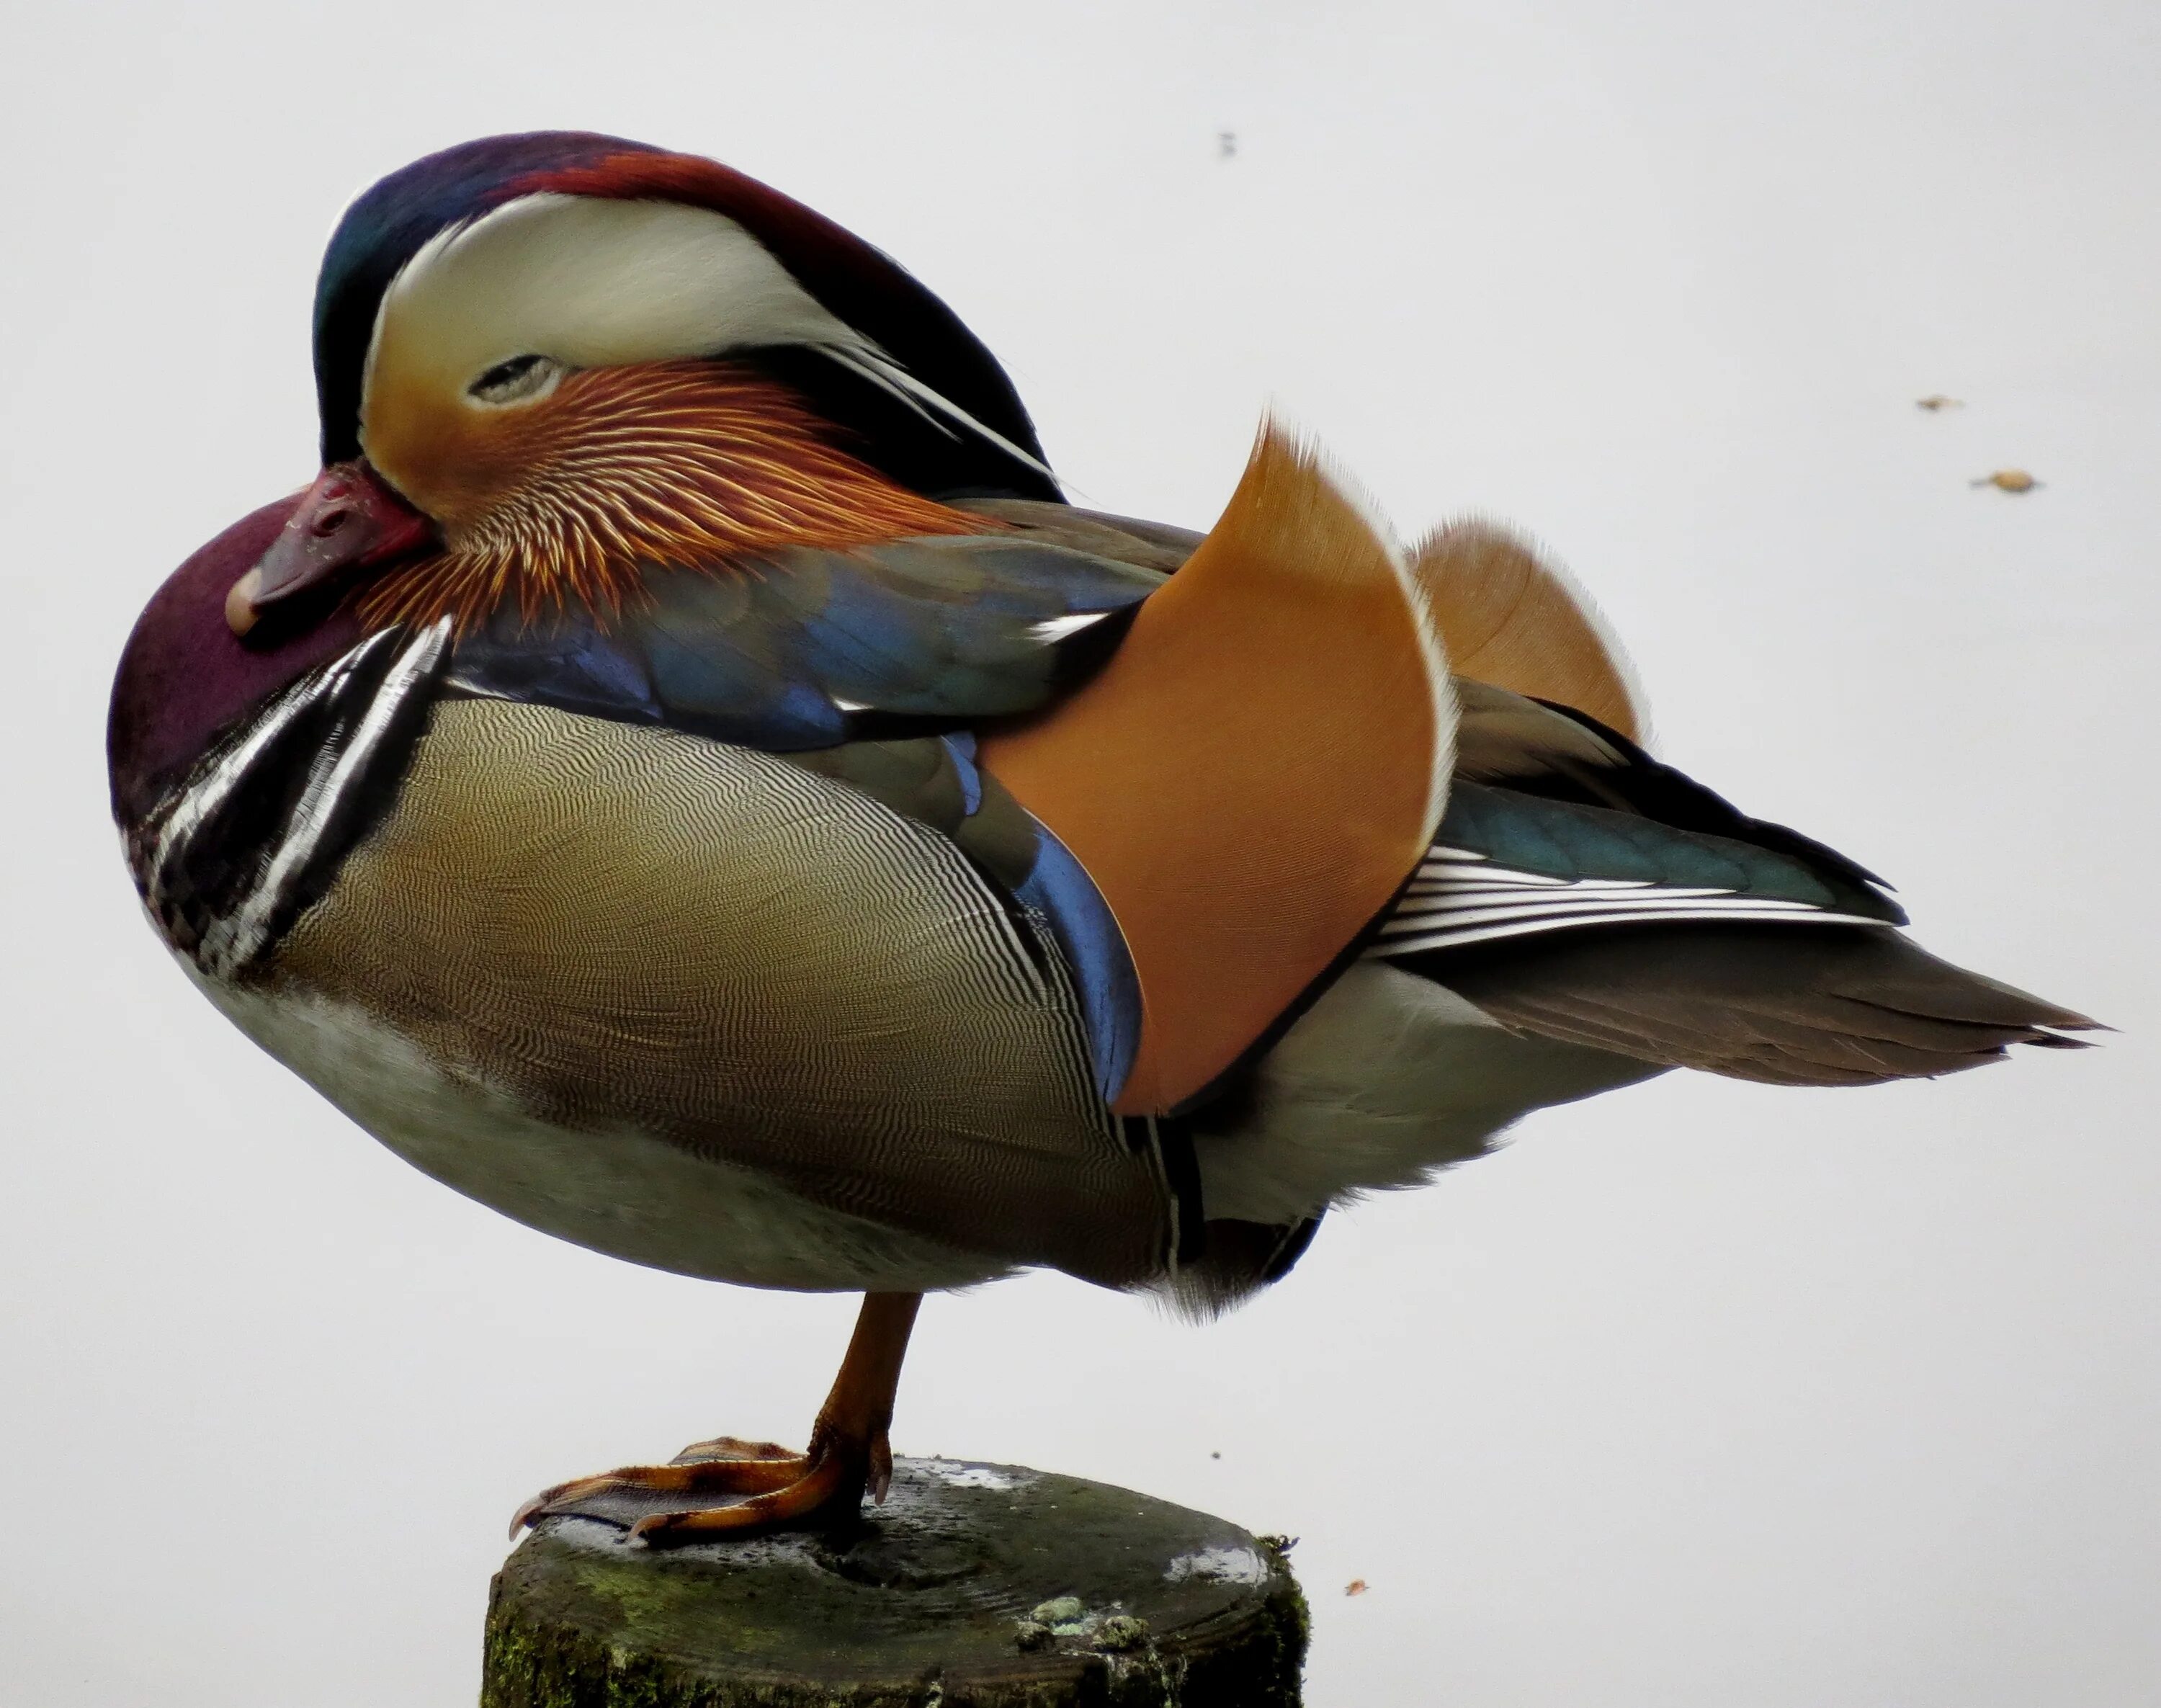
[{"x": 683, "y": 777}]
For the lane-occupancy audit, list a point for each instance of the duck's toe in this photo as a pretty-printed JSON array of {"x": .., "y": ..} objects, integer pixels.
[
  {"x": 829, "y": 1486},
  {"x": 726, "y": 1467}
]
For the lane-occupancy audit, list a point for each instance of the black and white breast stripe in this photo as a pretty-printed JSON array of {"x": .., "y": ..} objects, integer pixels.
[
  {"x": 239, "y": 851},
  {"x": 1459, "y": 898}
]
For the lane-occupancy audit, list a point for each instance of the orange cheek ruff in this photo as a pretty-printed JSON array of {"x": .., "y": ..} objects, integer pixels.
[{"x": 688, "y": 464}]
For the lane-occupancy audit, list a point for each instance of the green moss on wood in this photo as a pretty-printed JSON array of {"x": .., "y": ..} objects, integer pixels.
[{"x": 927, "y": 1605}]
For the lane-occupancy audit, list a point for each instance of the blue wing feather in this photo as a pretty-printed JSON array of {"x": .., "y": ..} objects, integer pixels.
[{"x": 797, "y": 649}]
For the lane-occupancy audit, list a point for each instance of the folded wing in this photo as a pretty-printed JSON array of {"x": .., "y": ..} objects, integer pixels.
[
  {"x": 1580, "y": 891},
  {"x": 807, "y": 647}
]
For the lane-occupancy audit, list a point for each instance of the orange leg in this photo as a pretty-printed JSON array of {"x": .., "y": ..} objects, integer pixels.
[{"x": 848, "y": 1455}]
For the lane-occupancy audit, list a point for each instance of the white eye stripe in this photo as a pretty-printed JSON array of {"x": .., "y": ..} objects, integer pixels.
[
  {"x": 874, "y": 365},
  {"x": 593, "y": 281}
]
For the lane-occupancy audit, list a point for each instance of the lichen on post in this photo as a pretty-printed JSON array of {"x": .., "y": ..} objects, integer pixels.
[{"x": 974, "y": 1586}]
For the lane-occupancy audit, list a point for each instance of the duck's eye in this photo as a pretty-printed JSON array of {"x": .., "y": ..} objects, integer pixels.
[{"x": 519, "y": 380}]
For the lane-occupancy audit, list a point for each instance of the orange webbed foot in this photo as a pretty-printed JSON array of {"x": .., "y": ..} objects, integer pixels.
[{"x": 730, "y": 1487}]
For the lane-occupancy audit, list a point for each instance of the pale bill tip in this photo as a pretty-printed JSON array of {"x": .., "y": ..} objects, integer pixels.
[{"x": 239, "y": 612}]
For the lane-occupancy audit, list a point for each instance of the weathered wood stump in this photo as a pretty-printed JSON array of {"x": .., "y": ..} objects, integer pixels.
[{"x": 988, "y": 1585}]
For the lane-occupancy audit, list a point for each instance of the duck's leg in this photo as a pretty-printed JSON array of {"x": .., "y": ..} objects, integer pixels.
[{"x": 848, "y": 1453}]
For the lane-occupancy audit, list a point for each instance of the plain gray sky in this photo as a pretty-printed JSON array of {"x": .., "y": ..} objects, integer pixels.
[{"x": 1706, "y": 1393}]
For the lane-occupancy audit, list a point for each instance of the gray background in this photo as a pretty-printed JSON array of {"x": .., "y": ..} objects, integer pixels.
[{"x": 1706, "y": 1394}]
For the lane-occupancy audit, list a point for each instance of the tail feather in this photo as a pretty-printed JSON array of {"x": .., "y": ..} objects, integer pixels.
[{"x": 1785, "y": 1005}]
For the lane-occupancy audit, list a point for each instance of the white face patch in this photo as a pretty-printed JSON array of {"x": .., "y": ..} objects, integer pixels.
[
  {"x": 591, "y": 282},
  {"x": 586, "y": 281}
]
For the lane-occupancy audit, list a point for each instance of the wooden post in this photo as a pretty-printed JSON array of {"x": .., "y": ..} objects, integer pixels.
[{"x": 974, "y": 1586}]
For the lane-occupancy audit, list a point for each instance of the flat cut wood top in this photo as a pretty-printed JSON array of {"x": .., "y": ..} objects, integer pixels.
[{"x": 989, "y": 1585}]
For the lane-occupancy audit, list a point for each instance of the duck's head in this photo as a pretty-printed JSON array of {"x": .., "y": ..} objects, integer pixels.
[{"x": 546, "y": 360}]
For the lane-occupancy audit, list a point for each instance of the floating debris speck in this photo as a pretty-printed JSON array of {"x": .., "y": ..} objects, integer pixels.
[
  {"x": 1356, "y": 1587},
  {"x": 1935, "y": 402},
  {"x": 2009, "y": 480}
]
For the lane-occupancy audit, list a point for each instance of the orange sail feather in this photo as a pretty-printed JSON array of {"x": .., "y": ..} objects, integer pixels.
[
  {"x": 1253, "y": 775},
  {"x": 1510, "y": 618}
]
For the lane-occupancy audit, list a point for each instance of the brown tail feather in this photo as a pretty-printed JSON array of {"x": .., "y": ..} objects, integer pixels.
[{"x": 1788, "y": 1005}]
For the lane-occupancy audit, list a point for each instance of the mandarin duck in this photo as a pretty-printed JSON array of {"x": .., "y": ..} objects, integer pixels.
[{"x": 683, "y": 776}]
